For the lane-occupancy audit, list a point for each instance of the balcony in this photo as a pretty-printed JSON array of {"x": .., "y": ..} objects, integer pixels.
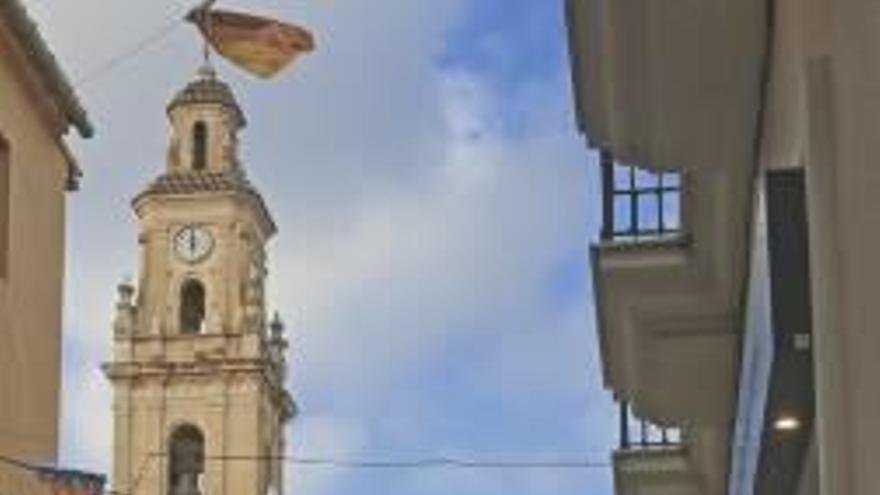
[
  {"x": 652, "y": 459},
  {"x": 666, "y": 272},
  {"x": 669, "y": 84},
  {"x": 639, "y": 434}
]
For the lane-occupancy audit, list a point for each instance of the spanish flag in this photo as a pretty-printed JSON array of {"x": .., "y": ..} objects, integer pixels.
[{"x": 259, "y": 45}]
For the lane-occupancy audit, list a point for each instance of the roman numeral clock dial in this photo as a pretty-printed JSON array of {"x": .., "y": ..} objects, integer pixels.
[{"x": 193, "y": 243}]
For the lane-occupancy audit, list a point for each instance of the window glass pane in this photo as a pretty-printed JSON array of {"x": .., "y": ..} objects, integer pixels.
[
  {"x": 671, "y": 179},
  {"x": 633, "y": 426},
  {"x": 622, "y": 213},
  {"x": 645, "y": 179},
  {"x": 622, "y": 178},
  {"x": 671, "y": 211},
  {"x": 648, "y": 213},
  {"x": 654, "y": 434}
]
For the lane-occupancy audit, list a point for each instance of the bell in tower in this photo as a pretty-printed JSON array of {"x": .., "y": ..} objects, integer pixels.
[{"x": 197, "y": 373}]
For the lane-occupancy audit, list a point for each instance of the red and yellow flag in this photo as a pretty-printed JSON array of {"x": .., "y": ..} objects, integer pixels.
[{"x": 259, "y": 45}]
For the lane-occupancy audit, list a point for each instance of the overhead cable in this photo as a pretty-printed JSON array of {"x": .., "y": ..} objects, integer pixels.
[{"x": 175, "y": 20}]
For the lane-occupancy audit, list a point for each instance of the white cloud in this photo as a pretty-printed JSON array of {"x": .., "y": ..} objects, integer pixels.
[{"x": 416, "y": 265}]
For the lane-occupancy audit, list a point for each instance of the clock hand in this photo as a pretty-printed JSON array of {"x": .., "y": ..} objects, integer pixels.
[{"x": 192, "y": 241}]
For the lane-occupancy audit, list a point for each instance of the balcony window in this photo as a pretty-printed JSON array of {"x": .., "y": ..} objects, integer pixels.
[
  {"x": 639, "y": 204},
  {"x": 636, "y": 433}
]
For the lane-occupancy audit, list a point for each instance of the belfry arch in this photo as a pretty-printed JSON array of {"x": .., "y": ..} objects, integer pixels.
[
  {"x": 192, "y": 307},
  {"x": 186, "y": 460},
  {"x": 200, "y": 146}
]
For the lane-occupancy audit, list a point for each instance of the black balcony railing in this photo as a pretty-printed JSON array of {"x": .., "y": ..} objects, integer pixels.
[
  {"x": 638, "y": 204},
  {"x": 638, "y": 433}
]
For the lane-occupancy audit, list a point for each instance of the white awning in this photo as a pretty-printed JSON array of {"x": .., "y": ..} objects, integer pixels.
[{"x": 669, "y": 83}]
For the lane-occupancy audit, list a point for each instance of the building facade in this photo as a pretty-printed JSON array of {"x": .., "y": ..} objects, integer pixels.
[
  {"x": 735, "y": 282},
  {"x": 198, "y": 372},
  {"x": 37, "y": 108}
]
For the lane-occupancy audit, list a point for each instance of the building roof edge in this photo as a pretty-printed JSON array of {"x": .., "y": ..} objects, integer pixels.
[{"x": 28, "y": 36}]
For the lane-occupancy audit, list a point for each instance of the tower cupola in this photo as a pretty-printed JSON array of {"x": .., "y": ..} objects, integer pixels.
[{"x": 205, "y": 120}]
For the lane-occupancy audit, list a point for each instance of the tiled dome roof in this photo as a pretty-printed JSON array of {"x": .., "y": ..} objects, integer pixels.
[{"x": 207, "y": 88}]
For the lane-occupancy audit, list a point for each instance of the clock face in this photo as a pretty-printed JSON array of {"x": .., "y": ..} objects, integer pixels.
[{"x": 193, "y": 243}]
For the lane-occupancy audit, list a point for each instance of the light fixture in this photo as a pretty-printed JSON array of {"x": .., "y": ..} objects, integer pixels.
[{"x": 786, "y": 423}]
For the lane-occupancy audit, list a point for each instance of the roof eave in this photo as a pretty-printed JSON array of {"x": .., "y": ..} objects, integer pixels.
[{"x": 57, "y": 83}]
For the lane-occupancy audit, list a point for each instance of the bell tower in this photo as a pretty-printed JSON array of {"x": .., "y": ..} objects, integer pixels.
[{"x": 198, "y": 371}]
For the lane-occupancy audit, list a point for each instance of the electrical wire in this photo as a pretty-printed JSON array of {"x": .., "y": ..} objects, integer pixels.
[
  {"x": 449, "y": 463},
  {"x": 17, "y": 463},
  {"x": 370, "y": 464},
  {"x": 421, "y": 463},
  {"x": 142, "y": 470},
  {"x": 174, "y": 21},
  {"x": 428, "y": 463},
  {"x": 98, "y": 71}
]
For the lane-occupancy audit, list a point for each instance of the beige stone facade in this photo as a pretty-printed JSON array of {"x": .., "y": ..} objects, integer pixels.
[
  {"x": 194, "y": 356},
  {"x": 36, "y": 171}
]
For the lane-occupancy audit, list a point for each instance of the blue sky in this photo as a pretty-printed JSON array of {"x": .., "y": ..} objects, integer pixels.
[{"x": 434, "y": 202}]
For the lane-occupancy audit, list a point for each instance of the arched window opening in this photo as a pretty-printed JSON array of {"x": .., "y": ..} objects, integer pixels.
[
  {"x": 200, "y": 146},
  {"x": 186, "y": 461},
  {"x": 192, "y": 307}
]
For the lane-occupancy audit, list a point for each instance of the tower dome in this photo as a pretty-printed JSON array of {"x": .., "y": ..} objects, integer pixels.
[
  {"x": 205, "y": 120},
  {"x": 207, "y": 88}
]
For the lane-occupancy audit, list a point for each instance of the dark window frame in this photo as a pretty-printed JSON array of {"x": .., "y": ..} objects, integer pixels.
[{"x": 621, "y": 186}]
